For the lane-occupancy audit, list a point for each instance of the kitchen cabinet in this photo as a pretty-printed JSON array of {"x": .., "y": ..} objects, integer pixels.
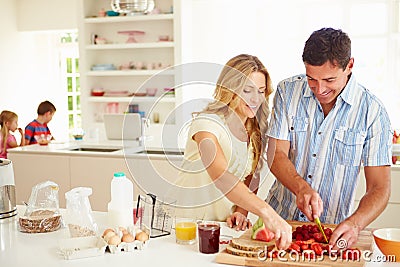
[
  {"x": 97, "y": 173},
  {"x": 140, "y": 62},
  {"x": 32, "y": 170},
  {"x": 149, "y": 173}
]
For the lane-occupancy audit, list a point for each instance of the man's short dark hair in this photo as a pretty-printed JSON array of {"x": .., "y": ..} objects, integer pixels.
[
  {"x": 327, "y": 44},
  {"x": 44, "y": 107}
]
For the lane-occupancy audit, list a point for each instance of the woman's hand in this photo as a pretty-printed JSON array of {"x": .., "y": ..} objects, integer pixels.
[
  {"x": 281, "y": 229},
  {"x": 239, "y": 221}
]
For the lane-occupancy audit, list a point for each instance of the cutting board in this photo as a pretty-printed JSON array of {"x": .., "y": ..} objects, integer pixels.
[{"x": 364, "y": 243}]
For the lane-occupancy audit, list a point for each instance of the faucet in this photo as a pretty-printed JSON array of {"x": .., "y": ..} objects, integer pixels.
[{"x": 144, "y": 122}]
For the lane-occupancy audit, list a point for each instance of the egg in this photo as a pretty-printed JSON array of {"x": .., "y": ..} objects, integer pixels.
[
  {"x": 128, "y": 238},
  {"x": 109, "y": 235},
  {"x": 142, "y": 236},
  {"x": 107, "y": 231},
  {"x": 114, "y": 240},
  {"x": 123, "y": 230}
]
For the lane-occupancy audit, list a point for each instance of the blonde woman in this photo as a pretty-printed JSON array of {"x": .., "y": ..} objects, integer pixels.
[
  {"x": 9, "y": 123},
  {"x": 223, "y": 153}
]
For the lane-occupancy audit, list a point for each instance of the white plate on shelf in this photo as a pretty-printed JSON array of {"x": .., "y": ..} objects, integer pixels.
[{"x": 116, "y": 93}]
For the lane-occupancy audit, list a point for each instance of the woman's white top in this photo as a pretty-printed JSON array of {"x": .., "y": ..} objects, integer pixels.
[{"x": 198, "y": 197}]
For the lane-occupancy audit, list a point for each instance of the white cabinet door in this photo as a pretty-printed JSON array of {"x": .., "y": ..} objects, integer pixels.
[
  {"x": 97, "y": 173},
  {"x": 31, "y": 169},
  {"x": 154, "y": 174}
]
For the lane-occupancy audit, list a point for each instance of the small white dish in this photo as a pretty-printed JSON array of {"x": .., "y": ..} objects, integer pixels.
[{"x": 81, "y": 247}]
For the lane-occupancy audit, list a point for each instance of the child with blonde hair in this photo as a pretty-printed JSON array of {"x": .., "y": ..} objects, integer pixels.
[{"x": 9, "y": 123}]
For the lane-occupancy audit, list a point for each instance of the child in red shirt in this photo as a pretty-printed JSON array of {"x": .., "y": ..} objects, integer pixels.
[{"x": 38, "y": 126}]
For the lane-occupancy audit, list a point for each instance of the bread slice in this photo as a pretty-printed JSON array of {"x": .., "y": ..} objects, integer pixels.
[
  {"x": 243, "y": 253},
  {"x": 251, "y": 245}
]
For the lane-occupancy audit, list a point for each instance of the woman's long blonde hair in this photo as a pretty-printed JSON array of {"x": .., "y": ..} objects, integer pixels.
[
  {"x": 6, "y": 116},
  {"x": 232, "y": 79}
]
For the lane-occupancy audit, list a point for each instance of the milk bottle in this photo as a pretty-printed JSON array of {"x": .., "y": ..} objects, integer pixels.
[{"x": 120, "y": 208}]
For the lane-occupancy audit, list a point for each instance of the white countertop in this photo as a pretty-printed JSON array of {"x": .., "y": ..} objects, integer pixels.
[
  {"x": 21, "y": 249},
  {"x": 126, "y": 149},
  {"x": 123, "y": 149}
]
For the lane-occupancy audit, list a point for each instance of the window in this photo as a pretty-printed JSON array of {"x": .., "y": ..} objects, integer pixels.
[
  {"x": 276, "y": 31},
  {"x": 69, "y": 61},
  {"x": 373, "y": 26}
]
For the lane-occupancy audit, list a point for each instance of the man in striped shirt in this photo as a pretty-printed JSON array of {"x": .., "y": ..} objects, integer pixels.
[
  {"x": 324, "y": 125},
  {"x": 45, "y": 112}
]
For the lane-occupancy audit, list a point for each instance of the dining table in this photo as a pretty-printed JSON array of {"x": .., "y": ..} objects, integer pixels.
[{"x": 19, "y": 249}]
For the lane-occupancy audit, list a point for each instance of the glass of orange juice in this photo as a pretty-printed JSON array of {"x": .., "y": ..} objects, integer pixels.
[{"x": 185, "y": 231}]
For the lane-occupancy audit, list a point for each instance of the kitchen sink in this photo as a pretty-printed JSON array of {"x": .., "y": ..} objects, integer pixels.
[
  {"x": 90, "y": 149},
  {"x": 161, "y": 152},
  {"x": 104, "y": 149}
]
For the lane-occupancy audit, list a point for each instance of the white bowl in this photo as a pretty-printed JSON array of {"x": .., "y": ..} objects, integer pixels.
[{"x": 43, "y": 139}]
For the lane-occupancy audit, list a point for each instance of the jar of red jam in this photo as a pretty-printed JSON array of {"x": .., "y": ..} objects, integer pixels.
[{"x": 208, "y": 237}]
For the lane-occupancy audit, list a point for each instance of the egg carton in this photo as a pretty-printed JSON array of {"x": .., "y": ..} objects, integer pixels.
[{"x": 128, "y": 246}]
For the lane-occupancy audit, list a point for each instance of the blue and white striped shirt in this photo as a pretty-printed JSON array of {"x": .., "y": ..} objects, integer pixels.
[{"x": 328, "y": 151}]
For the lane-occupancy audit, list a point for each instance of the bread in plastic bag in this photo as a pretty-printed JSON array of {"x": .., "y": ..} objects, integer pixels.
[
  {"x": 42, "y": 212},
  {"x": 79, "y": 216}
]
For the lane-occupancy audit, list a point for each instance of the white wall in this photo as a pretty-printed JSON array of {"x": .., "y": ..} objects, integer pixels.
[
  {"x": 212, "y": 31},
  {"x": 39, "y": 15},
  {"x": 29, "y": 72},
  {"x": 275, "y": 31}
]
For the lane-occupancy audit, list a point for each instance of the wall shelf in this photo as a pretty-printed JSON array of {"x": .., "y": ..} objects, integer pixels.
[
  {"x": 130, "y": 73},
  {"x": 148, "y": 51},
  {"x": 131, "y": 46},
  {"x": 118, "y": 19},
  {"x": 128, "y": 99}
]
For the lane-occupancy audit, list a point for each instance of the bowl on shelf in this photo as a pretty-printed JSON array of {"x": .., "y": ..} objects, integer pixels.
[
  {"x": 100, "y": 40},
  {"x": 151, "y": 91},
  {"x": 388, "y": 241},
  {"x": 139, "y": 94},
  {"x": 43, "y": 139},
  {"x": 100, "y": 67},
  {"x": 97, "y": 92},
  {"x": 163, "y": 38},
  {"x": 133, "y": 36},
  {"x": 168, "y": 91},
  {"x": 117, "y": 93},
  {"x": 112, "y": 13}
]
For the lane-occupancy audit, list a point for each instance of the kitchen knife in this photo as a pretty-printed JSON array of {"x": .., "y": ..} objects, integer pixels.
[{"x": 318, "y": 222}]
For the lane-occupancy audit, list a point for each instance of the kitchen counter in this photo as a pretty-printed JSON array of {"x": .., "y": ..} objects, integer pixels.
[
  {"x": 58, "y": 162},
  {"x": 150, "y": 173},
  {"x": 61, "y": 148},
  {"x": 112, "y": 148},
  {"x": 21, "y": 249},
  {"x": 123, "y": 149}
]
